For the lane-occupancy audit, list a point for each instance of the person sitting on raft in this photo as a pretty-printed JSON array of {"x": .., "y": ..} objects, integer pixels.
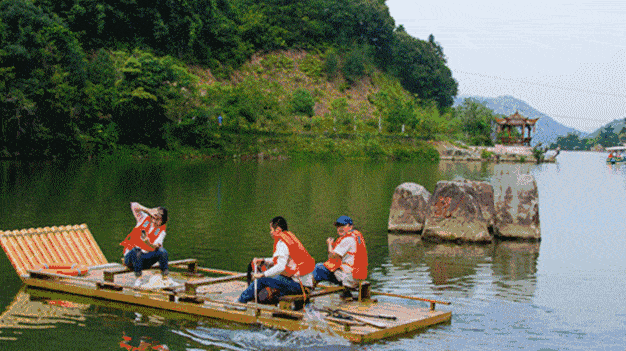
[
  {"x": 347, "y": 258},
  {"x": 143, "y": 247},
  {"x": 290, "y": 265}
]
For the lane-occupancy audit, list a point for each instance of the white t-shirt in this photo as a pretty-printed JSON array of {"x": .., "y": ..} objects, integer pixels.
[{"x": 344, "y": 273}]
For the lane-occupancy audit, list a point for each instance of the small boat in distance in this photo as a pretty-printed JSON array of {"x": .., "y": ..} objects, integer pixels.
[{"x": 617, "y": 154}]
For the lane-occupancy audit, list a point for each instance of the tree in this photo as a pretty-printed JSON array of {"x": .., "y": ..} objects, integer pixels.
[
  {"x": 570, "y": 142},
  {"x": 475, "y": 122},
  {"x": 149, "y": 90},
  {"x": 422, "y": 69},
  {"x": 607, "y": 137},
  {"x": 40, "y": 92}
]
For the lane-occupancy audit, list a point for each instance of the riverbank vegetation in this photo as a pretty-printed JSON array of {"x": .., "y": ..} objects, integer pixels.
[{"x": 222, "y": 78}]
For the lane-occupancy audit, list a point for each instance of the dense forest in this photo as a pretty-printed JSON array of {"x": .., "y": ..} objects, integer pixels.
[{"x": 89, "y": 77}]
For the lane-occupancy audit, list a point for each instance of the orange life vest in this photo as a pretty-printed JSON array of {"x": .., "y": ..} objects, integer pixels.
[
  {"x": 304, "y": 263},
  {"x": 140, "y": 233},
  {"x": 359, "y": 268}
]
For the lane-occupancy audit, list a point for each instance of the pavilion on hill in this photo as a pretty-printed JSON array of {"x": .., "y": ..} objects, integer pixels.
[{"x": 515, "y": 129}]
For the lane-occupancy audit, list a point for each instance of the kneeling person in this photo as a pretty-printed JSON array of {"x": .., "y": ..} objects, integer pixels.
[
  {"x": 291, "y": 265},
  {"x": 347, "y": 257}
]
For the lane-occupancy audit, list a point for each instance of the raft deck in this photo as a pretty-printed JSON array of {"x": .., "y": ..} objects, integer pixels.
[{"x": 198, "y": 294}]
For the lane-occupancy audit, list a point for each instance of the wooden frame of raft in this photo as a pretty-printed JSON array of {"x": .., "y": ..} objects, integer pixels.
[{"x": 362, "y": 320}]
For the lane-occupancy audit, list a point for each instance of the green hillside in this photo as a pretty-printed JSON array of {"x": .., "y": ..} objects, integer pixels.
[{"x": 317, "y": 78}]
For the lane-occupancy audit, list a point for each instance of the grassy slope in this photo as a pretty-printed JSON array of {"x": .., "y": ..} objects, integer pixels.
[{"x": 292, "y": 70}]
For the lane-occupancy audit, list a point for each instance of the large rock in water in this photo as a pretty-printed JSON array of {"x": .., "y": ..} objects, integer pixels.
[
  {"x": 517, "y": 207},
  {"x": 460, "y": 211},
  {"x": 408, "y": 208}
]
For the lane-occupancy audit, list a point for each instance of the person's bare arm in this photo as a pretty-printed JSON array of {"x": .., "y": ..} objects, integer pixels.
[{"x": 138, "y": 208}]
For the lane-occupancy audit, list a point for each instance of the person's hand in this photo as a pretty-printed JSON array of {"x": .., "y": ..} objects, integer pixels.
[
  {"x": 258, "y": 276},
  {"x": 154, "y": 212},
  {"x": 330, "y": 241},
  {"x": 257, "y": 261}
]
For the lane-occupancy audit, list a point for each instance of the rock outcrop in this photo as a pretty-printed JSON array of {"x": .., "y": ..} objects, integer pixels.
[
  {"x": 408, "y": 208},
  {"x": 469, "y": 211},
  {"x": 460, "y": 211},
  {"x": 516, "y": 207}
]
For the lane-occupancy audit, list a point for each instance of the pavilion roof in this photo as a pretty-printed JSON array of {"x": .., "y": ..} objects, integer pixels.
[{"x": 517, "y": 120}]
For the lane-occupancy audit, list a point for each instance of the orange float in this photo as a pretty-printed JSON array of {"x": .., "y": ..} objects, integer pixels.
[{"x": 72, "y": 269}]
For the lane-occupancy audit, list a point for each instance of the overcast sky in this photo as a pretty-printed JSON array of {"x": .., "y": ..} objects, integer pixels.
[{"x": 566, "y": 59}]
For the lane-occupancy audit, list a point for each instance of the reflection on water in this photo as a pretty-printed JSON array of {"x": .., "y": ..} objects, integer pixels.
[
  {"x": 481, "y": 170},
  {"x": 36, "y": 315},
  {"x": 565, "y": 293},
  {"x": 508, "y": 269}
]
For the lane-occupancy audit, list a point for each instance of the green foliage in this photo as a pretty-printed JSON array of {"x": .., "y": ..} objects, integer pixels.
[
  {"x": 475, "y": 122},
  {"x": 312, "y": 66},
  {"x": 302, "y": 102},
  {"x": 572, "y": 142},
  {"x": 331, "y": 64},
  {"x": 252, "y": 104},
  {"x": 277, "y": 62},
  {"x": 539, "y": 154},
  {"x": 485, "y": 155},
  {"x": 340, "y": 114},
  {"x": 355, "y": 62},
  {"x": 148, "y": 85},
  {"x": 133, "y": 90},
  {"x": 41, "y": 92},
  {"x": 422, "y": 69}
]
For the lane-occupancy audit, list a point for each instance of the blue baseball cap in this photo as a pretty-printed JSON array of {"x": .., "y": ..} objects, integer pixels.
[{"x": 343, "y": 220}]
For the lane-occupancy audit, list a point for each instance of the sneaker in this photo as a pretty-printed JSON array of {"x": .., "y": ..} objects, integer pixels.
[
  {"x": 167, "y": 281},
  {"x": 138, "y": 282}
]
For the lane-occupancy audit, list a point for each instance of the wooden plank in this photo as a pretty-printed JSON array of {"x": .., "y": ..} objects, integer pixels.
[
  {"x": 356, "y": 328},
  {"x": 109, "y": 274},
  {"x": 432, "y": 302},
  {"x": 78, "y": 247},
  {"x": 217, "y": 271},
  {"x": 191, "y": 286},
  {"x": 380, "y": 316},
  {"x": 56, "y": 255},
  {"x": 92, "y": 247},
  {"x": 327, "y": 291},
  {"x": 41, "y": 247}
]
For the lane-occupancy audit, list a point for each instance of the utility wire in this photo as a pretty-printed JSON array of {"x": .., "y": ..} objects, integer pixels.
[{"x": 541, "y": 84}]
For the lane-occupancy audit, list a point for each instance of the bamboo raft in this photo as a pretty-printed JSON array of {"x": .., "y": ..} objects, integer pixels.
[{"x": 207, "y": 292}]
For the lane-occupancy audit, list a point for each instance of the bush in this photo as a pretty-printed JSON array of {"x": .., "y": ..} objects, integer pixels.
[
  {"x": 354, "y": 65},
  {"x": 331, "y": 64},
  {"x": 311, "y": 66},
  {"x": 302, "y": 102},
  {"x": 485, "y": 155}
]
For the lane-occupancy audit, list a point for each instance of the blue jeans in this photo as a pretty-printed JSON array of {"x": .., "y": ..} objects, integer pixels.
[
  {"x": 321, "y": 274},
  {"x": 286, "y": 286},
  {"x": 138, "y": 261}
]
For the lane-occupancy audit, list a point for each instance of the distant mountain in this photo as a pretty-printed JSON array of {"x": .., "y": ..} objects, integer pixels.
[
  {"x": 546, "y": 131},
  {"x": 618, "y": 125}
]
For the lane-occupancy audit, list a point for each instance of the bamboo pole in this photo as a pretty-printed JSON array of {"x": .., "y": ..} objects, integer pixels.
[
  {"x": 381, "y": 316},
  {"x": 432, "y": 302},
  {"x": 217, "y": 271}
]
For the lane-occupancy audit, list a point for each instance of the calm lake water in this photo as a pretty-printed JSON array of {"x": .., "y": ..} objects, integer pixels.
[{"x": 565, "y": 293}]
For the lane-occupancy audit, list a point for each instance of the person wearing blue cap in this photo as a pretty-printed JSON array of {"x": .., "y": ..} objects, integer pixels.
[{"x": 347, "y": 258}]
